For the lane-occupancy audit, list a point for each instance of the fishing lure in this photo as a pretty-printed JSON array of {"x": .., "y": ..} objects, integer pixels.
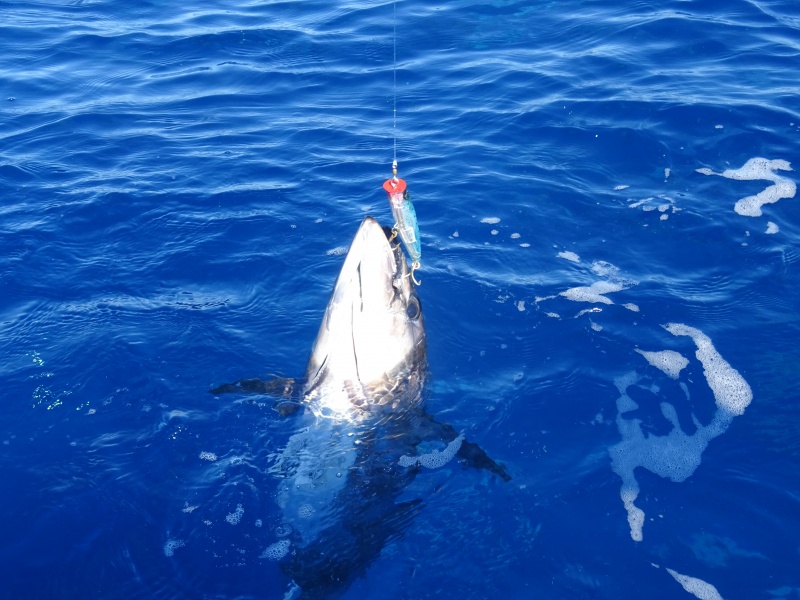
[{"x": 405, "y": 217}]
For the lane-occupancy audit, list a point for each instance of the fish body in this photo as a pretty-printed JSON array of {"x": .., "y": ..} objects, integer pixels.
[{"x": 363, "y": 434}]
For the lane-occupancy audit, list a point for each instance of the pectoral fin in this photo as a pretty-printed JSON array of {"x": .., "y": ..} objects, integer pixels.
[
  {"x": 427, "y": 429},
  {"x": 478, "y": 459},
  {"x": 280, "y": 387}
]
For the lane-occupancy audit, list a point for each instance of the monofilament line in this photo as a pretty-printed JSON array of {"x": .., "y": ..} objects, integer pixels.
[{"x": 394, "y": 77}]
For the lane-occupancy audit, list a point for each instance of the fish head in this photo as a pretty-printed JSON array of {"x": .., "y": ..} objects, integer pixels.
[{"x": 373, "y": 326}]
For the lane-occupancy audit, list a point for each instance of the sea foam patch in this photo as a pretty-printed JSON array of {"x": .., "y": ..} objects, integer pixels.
[
  {"x": 570, "y": 256},
  {"x": 277, "y": 550},
  {"x": 236, "y": 516},
  {"x": 668, "y": 361},
  {"x": 435, "y": 458},
  {"x": 697, "y": 587},
  {"x": 662, "y": 204},
  {"x": 171, "y": 545},
  {"x": 758, "y": 169},
  {"x": 731, "y": 391},
  {"x": 676, "y": 455},
  {"x": 596, "y": 293}
]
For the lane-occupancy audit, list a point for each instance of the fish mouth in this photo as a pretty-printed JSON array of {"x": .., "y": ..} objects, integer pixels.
[
  {"x": 378, "y": 240},
  {"x": 368, "y": 330}
]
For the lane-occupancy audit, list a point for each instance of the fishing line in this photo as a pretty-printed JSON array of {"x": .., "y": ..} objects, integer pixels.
[
  {"x": 405, "y": 217},
  {"x": 394, "y": 83}
]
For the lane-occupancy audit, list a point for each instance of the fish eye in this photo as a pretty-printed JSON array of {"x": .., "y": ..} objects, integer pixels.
[{"x": 412, "y": 310}]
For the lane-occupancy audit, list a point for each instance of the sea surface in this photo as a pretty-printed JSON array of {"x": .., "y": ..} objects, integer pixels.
[{"x": 606, "y": 194}]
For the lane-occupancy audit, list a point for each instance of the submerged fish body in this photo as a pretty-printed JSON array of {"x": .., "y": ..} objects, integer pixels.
[{"x": 363, "y": 433}]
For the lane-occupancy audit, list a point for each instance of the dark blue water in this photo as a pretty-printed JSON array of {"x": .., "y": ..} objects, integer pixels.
[{"x": 178, "y": 182}]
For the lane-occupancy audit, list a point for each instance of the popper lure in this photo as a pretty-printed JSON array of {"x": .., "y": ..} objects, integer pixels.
[{"x": 405, "y": 218}]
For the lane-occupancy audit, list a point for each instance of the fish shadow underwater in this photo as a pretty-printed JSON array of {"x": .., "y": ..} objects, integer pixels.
[{"x": 363, "y": 434}]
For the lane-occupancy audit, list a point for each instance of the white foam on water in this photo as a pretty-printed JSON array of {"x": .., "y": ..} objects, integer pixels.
[
  {"x": 570, "y": 256},
  {"x": 631, "y": 307},
  {"x": 759, "y": 169},
  {"x": 594, "y": 293},
  {"x": 490, "y": 220},
  {"x": 663, "y": 204},
  {"x": 676, "y": 455},
  {"x": 602, "y": 268},
  {"x": 521, "y": 306},
  {"x": 668, "y": 361},
  {"x": 619, "y": 188},
  {"x": 305, "y": 511},
  {"x": 209, "y": 456},
  {"x": 515, "y": 236},
  {"x": 697, "y": 587},
  {"x": 338, "y": 251},
  {"x": 277, "y": 550},
  {"x": 641, "y": 202},
  {"x": 435, "y": 458},
  {"x": 236, "y": 516},
  {"x": 772, "y": 228},
  {"x": 495, "y": 232},
  {"x": 731, "y": 391},
  {"x": 171, "y": 545}
]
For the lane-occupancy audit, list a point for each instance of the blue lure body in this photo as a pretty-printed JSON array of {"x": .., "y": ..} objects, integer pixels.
[{"x": 405, "y": 218}]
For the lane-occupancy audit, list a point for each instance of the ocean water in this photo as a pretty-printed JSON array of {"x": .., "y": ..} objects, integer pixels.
[{"x": 607, "y": 202}]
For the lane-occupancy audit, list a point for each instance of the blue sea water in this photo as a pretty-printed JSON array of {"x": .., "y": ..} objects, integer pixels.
[{"x": 179, "y": 181}]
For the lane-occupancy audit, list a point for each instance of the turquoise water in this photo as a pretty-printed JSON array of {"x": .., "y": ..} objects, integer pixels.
[{"x": 178, "y": 183}]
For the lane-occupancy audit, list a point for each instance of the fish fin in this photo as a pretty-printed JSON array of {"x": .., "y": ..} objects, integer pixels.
[
  {"x": 280, "y": 387},
  {"x": 472, "y": 454},
  {"x": 477, "y": 458}
]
